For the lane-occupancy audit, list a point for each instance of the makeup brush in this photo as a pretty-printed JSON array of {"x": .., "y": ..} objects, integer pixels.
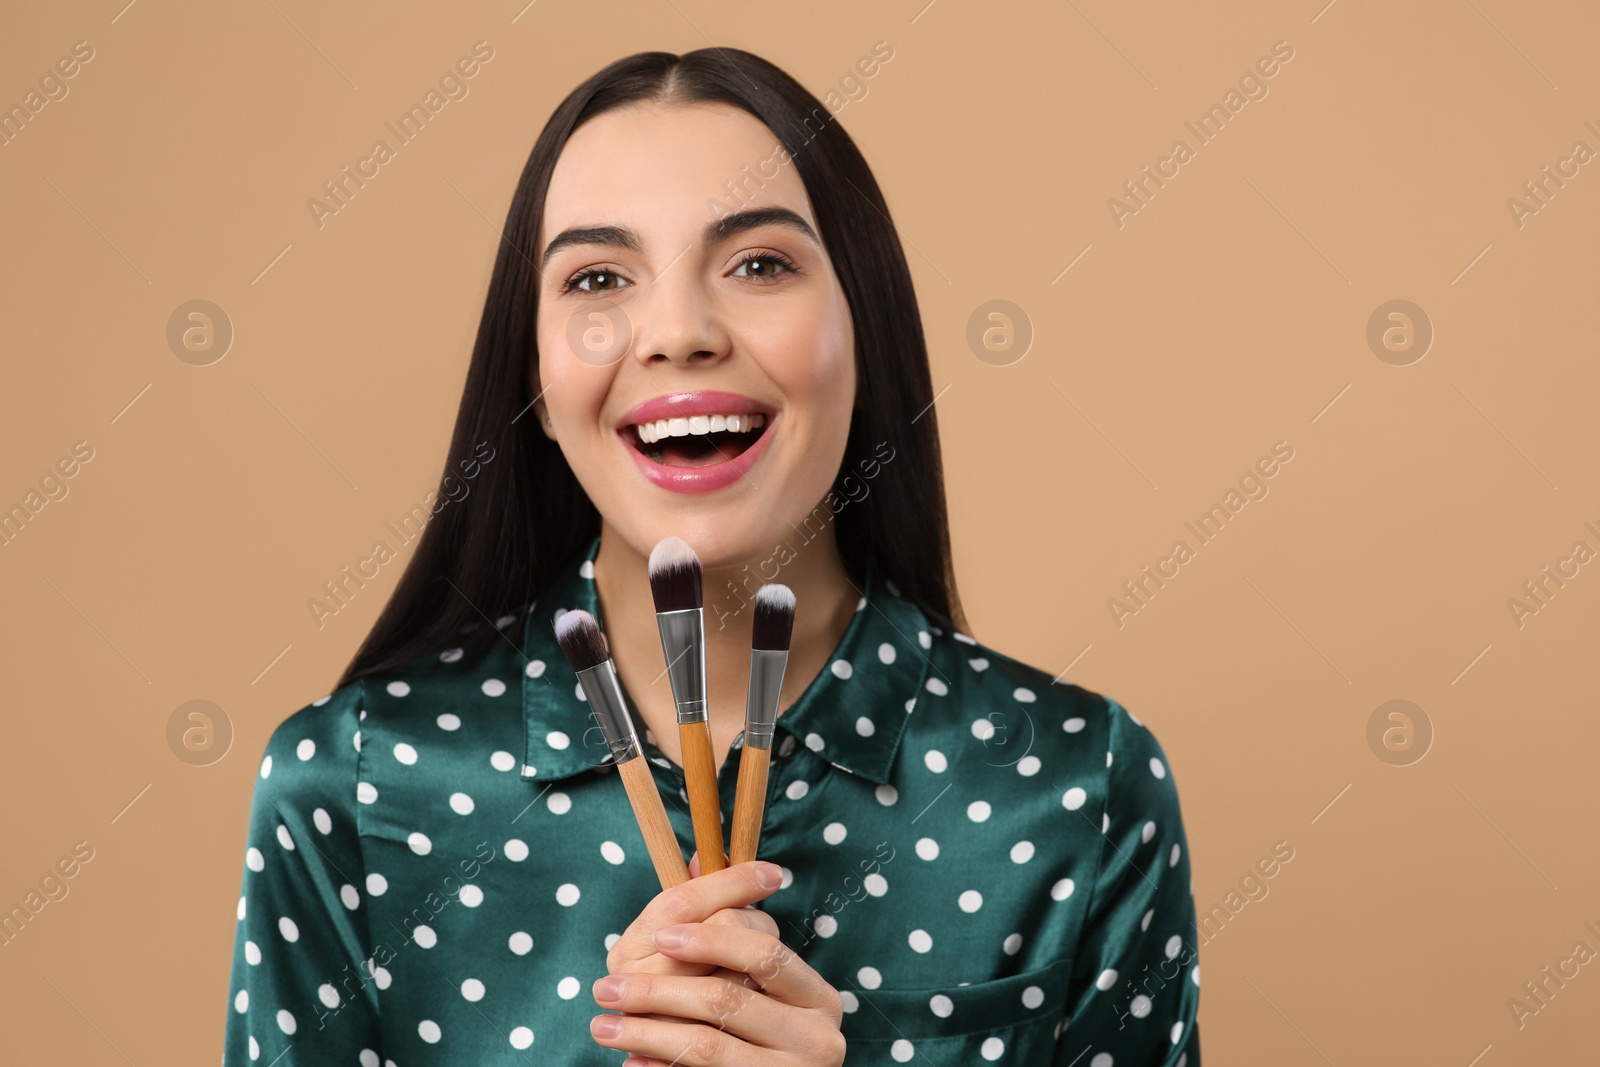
[
  {"x": 769, "y": 655},
  {"x": 675, "y": 583},
  {"x": 580, "y": 638}
]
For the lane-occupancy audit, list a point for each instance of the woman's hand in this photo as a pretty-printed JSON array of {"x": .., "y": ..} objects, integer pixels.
[
  {"x": 728, "y": 993},
  {"x": 636, "y": 951}
]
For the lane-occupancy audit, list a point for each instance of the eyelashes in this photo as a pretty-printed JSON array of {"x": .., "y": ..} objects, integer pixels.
[
  {"x": 576, "y": 283},
  {"x": 768, "y": 257}
]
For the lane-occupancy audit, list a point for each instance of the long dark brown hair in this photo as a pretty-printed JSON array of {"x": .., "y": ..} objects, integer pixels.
[{"x": 526, "y": 518}]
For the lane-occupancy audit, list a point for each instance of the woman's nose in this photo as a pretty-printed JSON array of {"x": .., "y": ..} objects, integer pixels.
[{"x": 676, "y": 319}]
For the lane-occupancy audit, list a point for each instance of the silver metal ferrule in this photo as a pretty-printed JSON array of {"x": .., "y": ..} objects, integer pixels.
[
  {"x": 610, "y": 710},
  {"x": 761, "y": 703},
  {"x": 683, "y": 642}
]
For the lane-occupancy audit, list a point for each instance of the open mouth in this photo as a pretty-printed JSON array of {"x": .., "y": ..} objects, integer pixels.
[{"x": 696, "y": 441}]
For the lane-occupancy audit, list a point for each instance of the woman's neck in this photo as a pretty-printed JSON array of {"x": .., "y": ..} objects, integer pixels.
[{"x": 825, "y": 601}]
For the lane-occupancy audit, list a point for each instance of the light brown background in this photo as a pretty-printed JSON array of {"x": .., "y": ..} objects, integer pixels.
[{"x": 1227, "y": 315}]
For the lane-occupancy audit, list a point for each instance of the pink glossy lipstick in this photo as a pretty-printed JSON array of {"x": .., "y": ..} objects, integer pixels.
[{"x": 696, "y": 442}]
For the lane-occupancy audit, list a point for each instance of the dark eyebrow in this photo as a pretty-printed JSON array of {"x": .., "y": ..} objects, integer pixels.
[
  {"x": 740, "y": 221},
  {"x": 718, "y": 230}
]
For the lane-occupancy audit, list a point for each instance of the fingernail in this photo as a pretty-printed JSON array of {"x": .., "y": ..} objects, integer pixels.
[
  {"x": 610, "y": 987},
  {"x": 671, "y": 937},
  {"x": 605, "y": 1026},
  {"x": 770, "y": 875}
]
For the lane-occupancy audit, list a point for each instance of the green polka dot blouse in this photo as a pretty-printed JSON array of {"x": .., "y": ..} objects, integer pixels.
[{"x": 989, "y": 865}]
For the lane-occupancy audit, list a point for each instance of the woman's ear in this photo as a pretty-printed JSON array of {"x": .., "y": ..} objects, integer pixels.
[{"x": 542, "y": 413}]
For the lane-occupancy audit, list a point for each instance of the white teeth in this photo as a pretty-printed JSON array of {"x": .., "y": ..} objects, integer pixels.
[{"x": 696, "y": 425}]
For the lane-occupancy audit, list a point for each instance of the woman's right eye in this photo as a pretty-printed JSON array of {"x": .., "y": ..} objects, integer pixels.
[{"x": 594, "y": 281}]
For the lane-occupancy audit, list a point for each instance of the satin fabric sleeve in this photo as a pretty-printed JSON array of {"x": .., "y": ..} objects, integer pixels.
[
  {"x": 1135, "y": 987},
  {"x": 303, "y": 986}
]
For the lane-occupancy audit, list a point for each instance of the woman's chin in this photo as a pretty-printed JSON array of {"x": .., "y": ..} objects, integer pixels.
[{"x": 725, "y": 536}]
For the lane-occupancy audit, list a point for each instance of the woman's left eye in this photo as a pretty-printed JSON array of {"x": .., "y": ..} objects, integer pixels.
[{"x": 770, "y": 263}]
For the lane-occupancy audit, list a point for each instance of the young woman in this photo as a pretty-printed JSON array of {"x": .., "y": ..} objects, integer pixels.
[{"x": 701, "y": 324}]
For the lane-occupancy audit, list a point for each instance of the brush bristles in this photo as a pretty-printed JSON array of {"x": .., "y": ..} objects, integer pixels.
[
  {"x": 674, "y": 575},
  {"x": 580, "y": 639},
  {"x": 774, "y": 618}
]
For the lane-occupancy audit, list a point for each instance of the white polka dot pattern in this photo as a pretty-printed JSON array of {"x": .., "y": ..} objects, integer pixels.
[{"x": 980, "y": 858}]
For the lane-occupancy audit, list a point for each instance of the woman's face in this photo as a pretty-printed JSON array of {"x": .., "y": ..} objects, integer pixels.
[{"x": 652, "y": 317}]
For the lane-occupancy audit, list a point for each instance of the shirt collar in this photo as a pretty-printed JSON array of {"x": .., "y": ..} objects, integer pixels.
[{"x": 852, "y": 714}]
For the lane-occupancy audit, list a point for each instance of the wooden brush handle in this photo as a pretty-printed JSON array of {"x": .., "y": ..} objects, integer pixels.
[
  {"x": 705, "y": 808},
  {"x": 750, "y": 803},
  {"x": 659, "y": 839}
]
